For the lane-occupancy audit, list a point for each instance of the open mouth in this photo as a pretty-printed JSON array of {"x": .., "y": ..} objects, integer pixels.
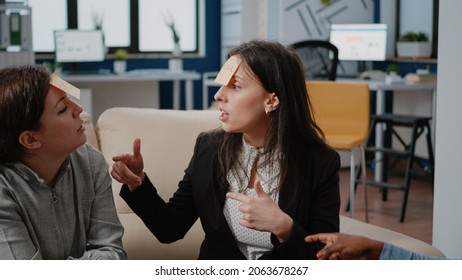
[
  {"x": 224, "y": 115},
  {"x": 81, "y": 128},
  {"x": 223, "y": 112}
]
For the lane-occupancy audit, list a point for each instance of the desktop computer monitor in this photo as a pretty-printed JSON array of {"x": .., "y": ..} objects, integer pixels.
[
  {"x": 360, "y": 42},
  {"x": 79, "y": 46}
]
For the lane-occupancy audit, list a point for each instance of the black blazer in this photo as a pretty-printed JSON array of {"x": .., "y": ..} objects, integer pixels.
[{"x": 310, "y": 195}]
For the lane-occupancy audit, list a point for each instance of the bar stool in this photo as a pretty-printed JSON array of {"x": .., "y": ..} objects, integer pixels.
[{"x": 418, "y": 126}]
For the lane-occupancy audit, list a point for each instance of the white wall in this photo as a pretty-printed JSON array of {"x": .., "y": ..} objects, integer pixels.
[
  {"x": 420, "y": 21},
  {"x": 388, "y": 16},
  {"x": 447, "y": 220},
  {"x": 303, "y": 20}
]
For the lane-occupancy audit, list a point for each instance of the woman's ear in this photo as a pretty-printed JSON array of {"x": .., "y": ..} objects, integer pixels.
[
  {"x": 28, "y": 140},
  {"x": 272, "y": 103}
]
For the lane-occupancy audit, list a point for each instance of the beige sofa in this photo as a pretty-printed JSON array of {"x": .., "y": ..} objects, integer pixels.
[{"x": 167, "y": 140}]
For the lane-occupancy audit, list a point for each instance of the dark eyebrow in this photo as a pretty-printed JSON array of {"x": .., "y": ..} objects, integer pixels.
[
  {"x": 59, "y": 100},
  {"x": 240, "y": 77},
  {"x": 248, "y": 79}
]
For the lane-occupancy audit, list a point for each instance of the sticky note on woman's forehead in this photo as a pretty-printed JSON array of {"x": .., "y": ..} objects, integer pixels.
[
  {"x": 58, "y": 82},
  {"x": 227, "y": 71}
]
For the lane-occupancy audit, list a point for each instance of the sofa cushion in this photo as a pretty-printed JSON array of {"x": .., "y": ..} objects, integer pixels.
[{"x": 167, "y": 143}]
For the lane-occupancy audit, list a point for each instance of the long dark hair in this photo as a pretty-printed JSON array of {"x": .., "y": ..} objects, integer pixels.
[
  {"x": 22, "y": 100},
  {"x": 291, "y": 127}
]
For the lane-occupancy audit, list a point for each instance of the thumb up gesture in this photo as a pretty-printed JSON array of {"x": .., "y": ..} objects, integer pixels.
[{"x": 262, "y": 213}]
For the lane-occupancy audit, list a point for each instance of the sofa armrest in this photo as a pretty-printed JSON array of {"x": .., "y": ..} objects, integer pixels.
[{"x": 356, "y": 227}]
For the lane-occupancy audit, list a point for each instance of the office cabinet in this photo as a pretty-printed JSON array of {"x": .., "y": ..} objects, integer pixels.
[{"x": 15, "y": 34}]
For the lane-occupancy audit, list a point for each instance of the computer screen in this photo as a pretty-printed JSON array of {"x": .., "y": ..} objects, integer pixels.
[
  {"x": 360, "y": 42},
  {"x": 79, "y": 46}
]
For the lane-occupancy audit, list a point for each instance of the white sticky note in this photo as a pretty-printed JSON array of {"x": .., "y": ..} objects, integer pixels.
[
  {"x": 227, "y": 71},
  {"x": 58, "y": 82}
]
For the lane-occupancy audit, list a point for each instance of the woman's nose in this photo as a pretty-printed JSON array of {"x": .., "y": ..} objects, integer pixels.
[
  {"x": 76, "y": 108},
  {"x": 219, "y": 95}
]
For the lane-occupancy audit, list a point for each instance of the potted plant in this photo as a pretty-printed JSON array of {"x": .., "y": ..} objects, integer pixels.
[
  {"x": 414, "y": 44},
  {"x": 392, "y": 68},
  {"x": 175, "y": 64},
  {"x": 120, "y": 61}
]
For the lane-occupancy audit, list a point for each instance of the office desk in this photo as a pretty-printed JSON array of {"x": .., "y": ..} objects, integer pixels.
[
  {"x": 380, "y": 87},
  {"x": 144, "y": 75}
]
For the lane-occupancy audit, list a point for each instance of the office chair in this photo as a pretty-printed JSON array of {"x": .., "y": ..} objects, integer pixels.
[
  {"x": 320, "y": 59},
  {"x": 342, "y": 111}
]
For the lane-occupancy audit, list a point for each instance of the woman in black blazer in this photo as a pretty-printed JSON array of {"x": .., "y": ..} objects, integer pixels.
[{"x": 260, "y": 183}]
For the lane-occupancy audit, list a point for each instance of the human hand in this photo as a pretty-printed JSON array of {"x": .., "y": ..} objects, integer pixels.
[
  {"x": 262, "y": 213},
  {"x": 341, "y": 246},
  {"x": 128, "y": 168}
]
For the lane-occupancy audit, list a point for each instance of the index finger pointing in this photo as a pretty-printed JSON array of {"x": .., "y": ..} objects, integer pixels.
[
  {"x": 120, "y": 157},
  {"x": 238, "y": 196},
  {"x": 316, "y": 238},
  {"x": 326, "y": 238}
]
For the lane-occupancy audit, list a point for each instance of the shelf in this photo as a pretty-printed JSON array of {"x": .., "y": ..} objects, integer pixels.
[{"x": 415, "y": 59}]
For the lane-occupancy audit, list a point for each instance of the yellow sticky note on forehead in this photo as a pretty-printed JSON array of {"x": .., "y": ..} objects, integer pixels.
[
  {"x": 58, "y": 82},
  {"x": 228, "y": 70}
]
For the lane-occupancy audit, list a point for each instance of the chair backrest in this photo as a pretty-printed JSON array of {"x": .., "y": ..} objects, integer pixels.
[
  {"x": 320, "y": 59},
  {"x": 341, "y": 109}
]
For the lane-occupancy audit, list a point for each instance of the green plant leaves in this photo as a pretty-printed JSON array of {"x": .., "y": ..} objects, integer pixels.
[{"x": 414, "y": 37}]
